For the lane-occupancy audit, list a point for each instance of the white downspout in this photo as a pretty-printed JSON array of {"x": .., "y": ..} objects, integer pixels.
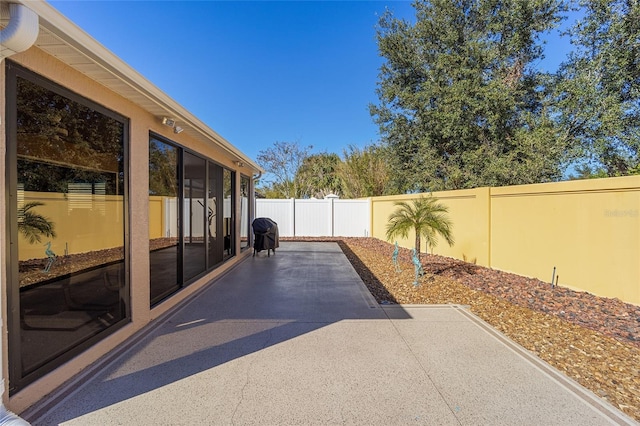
[{"x": 20, "y": 34}]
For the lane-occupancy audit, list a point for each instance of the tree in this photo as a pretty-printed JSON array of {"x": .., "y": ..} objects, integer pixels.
[
  {"x": 364, "y": 172},
  {"x": 425, "y": 216},
  {"x": 61, "y": 141},
  {"x": 460, "y": 98},
  {"x": 281, "y": 162},
  {"x": 32, "y": 225},
  {"x": 163, "y": 169},
  {"x": 598, "y": 89},
  {"x": 318, "y": 176}
]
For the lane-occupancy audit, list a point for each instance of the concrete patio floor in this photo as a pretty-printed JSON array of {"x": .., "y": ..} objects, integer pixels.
[{"x": 296, "y": 338}]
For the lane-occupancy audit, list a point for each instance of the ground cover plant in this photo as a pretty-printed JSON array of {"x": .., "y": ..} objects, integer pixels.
[{"x": 593, "y": 340}]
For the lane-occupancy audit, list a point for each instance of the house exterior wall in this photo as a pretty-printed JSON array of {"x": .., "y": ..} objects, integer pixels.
[{"x": 141, "y": 124}]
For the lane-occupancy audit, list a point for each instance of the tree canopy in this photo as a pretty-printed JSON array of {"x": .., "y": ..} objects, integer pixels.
[
  {"x": 463, "y": 102},
  {"x": 364, "y": 172},
  {"x": 318, "y": 176},
  {"x": 282, "y": 161},
  {"x": 460, "y": 99},
  {"x": 597, "y": 94}
]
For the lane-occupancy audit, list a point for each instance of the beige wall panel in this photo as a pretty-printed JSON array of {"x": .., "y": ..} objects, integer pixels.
[
  {"x": 139, "y": 218},
  {"x": 469, "y": 212},
  {"x": 381, "y": 208}
]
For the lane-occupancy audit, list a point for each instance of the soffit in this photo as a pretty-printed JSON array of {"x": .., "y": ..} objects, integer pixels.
[{"x": 54, "y": 46}]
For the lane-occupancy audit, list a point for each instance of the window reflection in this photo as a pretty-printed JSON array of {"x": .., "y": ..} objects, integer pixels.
[
  {"x": 164, "y": 222},
  {"x": 229, "y": 210},
  {"x": 191, "y": 216},
  {"x": 194, "y": 216},
  {"x": 216, "y": 239},
  {"x": 70, "y": 215},
  {"x": 244, "y": 212}
]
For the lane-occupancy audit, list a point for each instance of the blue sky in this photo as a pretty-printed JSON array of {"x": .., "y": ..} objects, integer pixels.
[{"x": 258, "y": 72}]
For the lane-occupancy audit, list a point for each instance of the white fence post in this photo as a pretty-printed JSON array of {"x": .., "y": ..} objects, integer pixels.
[{"x": 292, "y": 217}]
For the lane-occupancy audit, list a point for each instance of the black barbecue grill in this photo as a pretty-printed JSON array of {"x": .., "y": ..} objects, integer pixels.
[{"x": 265, "y": 233}]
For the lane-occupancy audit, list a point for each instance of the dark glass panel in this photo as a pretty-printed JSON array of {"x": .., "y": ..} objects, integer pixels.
[
  {"x": 245, "y": 225},
  {"x": 229, "y": 213},
  {"x": 164, "y": 219},
  {"x": 194, "y": 223},
  {"x": 70, "y": 215},
  {"x": 216, "y": 238}
]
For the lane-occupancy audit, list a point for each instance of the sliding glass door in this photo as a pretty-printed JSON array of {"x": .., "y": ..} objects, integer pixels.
[
  {"x": 245, "y": 213},
  {"x": 67, "y": 219},
  {"x": 195, "y": 216},
  {"x": 191, "y": 215},
  {"x": 165, "y": 254}
]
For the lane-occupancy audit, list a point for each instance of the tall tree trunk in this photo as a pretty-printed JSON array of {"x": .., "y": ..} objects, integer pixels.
[{"x": 418, "y": 246}]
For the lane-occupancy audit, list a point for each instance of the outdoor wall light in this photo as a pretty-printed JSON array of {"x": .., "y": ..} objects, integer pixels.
[
  {"x": 168, "y": 121},
  {"x": 177, "y": 129},
  {"x": 239, "y": 163}
]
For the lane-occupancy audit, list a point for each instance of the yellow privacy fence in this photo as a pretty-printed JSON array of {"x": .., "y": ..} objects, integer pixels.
[
  {"x": 82, "y": 222},
  {"x": 588, "y": 230}
]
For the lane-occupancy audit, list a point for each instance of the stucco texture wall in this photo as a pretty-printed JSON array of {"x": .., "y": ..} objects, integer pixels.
[
  {"x": 589, "y": 230},
  {"x": 469, "y": 214}
]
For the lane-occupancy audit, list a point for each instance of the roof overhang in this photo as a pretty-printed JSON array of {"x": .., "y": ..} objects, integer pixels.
[{"x": 64, "y": 40}]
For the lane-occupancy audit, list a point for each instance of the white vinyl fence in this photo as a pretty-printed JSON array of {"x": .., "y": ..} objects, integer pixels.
[{"x": 318, "y": 218}]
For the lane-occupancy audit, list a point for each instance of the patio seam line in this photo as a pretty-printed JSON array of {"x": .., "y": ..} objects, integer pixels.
[
  {"x": 424, "y": 370},
  {"x": 266, "y": 344}
]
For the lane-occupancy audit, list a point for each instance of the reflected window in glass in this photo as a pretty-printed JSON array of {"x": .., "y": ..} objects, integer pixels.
[
  {"x": 164, "y": 219},
  {"x": 245, "y": 224}
]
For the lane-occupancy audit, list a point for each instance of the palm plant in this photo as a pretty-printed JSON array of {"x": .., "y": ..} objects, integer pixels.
[
  {"x": 425, "y": 216},
  {"x": 32, "y": 225}
]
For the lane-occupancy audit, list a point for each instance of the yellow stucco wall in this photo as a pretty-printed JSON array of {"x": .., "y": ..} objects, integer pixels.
[
  {"x": 156, "y": 224},
  {"x": 78, "y": 230},
  {"x": 589, "y": 230},
  {"x": 468, "y": 211}
]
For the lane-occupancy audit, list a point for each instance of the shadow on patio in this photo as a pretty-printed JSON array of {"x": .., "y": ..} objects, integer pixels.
[{"x": 296, "y": 338}]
